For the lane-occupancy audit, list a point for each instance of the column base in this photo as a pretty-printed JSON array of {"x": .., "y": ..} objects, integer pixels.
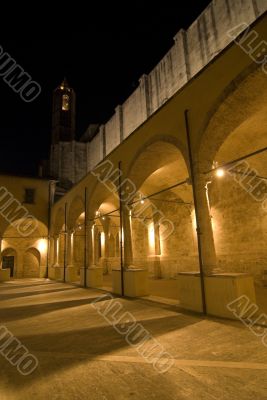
[
  {"x": 59, "y": 273},
  {"x": 220, "y": 290},
  {"x": 223, "y": 288},
  {"x": 154, "y": 267},
  {"x": 4, "y": 275},
  {"x": 71, "y": 274},
  {"x": 135, "y": 282},
  {"x": 189, "y": 291},
  {"x": 51, "y": 272},
  {"x": 94, "y": 277},
  {"x": 43, "y": 271}
]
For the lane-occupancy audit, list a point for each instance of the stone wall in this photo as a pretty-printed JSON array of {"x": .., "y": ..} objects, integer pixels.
[
  {"x": 178, "y": 251},
  {"x": 193, "y": 49},
  {"x": 240, "y": 228}
]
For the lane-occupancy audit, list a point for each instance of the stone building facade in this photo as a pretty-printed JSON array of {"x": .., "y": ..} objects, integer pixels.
[
  {"x": 24, "y": 221},
  {"x": 192, "y": 50},
  {"x": 207, "y": 72},
  {"x": 207, "y": 91}
]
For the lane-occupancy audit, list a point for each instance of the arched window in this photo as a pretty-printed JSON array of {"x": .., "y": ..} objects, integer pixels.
[{"x": 65, "y": 102}]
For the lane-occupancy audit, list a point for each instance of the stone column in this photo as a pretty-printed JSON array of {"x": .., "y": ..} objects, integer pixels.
[
  {"x": 127, "y": 237},
  {"x": 57, "y": 271},
  {"x": 56, "y": 249},
  {"x": 70, "y": 248},
  {"x": 156, "y": 235},
  {"x": 104, "y": 260},
  {"x": 92, "y": 274},
  {"x": 0, "y": 252},
  {"x": 205, "y": 226},
  {"x": 106, "y": 225},
  {"x": 156, "y": 262},
  {"x": 95, "y": 233},
  {"x": 71, "y": 271},
  {"x": 90, "y": 244}
]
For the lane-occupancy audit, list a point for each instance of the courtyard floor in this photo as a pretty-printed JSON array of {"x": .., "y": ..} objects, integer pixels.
[{"x": 81, "y": 356}]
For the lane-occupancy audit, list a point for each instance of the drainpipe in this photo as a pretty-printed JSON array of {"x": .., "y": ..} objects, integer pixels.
[
  {"x": 121, "y": 232},
  {"x": 65, "y": 244},
  {"x": 48, "y": 228},
  {"x": 202, "y": 282},
  {"x": 85, "y": 235}
]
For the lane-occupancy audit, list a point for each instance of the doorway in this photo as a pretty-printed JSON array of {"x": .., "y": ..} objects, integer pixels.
[{"x": 9, "y": 262}]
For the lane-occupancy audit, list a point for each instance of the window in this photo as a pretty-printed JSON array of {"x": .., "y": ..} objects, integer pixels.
[
  {"x": 65, "y": 102},
  {"x": 8, "y": 262},
  {"x": 29, "y": 196}
]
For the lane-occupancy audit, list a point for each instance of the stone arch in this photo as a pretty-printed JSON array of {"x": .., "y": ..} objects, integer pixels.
[
  {"x": 76, "y": 208},
  {"x": 159, "y": 165},
  {"x": 238, "y": 108},
  {"x": 37, "y": 239},
  {"x": 59, "y": 221},
  {"x": 99, "y": 195},
  {"x": 31, "y": 263},
  {"x": 237, "y": 128},
  {"x": 165, "y": 149}
]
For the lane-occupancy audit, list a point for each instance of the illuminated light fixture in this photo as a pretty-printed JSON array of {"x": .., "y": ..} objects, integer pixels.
[
  {"x": 102, "y": 238},
  {"x": 97, "y": 213},
  {"x": 151, "y": 238},
  {"x": 103, "y": 217},
  {"x": 42, "y": 245},
  {"x": 142, "y": 201},
  {"x": 220, "y": 172}
]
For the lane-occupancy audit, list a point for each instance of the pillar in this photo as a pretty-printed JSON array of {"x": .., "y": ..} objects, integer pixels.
[
  {"x": 156, "y": 235},
  {"x": 127, "y": 237},
  {"x": 209, "y": 260},
  {"x": 156, "y": 261},
  {"x": 71, "y": 271},
  {"x": 0, "y": 252},
  {"x": 56, "y": 249},
  {"x": 106, "y": 225},
  {"x": 91, "y": 275},
  {"x": 70, "y": 249},
  {"x": 90, "y": 244}
]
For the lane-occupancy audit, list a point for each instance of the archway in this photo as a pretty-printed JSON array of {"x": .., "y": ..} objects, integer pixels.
[
  {"x": 104, "y": 219},
  {"x": 14, "y": 237},
  {"x": 237, "y": 192},
  {"x": 31, "y": 263},
  {"x": 163, "y": 240}
]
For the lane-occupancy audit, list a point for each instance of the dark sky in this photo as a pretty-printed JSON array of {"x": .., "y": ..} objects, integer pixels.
[{"x": 102, "y": 60}]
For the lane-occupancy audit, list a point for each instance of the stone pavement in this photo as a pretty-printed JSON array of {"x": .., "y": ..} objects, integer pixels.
[{"x": 81, "y": 356}]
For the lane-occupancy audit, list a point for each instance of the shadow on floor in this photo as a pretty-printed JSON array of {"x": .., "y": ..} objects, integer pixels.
[
  {"x": 12, "y": 296},
  {"x": 67, "y": 349}
]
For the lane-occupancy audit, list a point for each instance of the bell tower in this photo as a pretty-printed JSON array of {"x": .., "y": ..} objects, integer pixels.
[{"x": 63, "y": 113}]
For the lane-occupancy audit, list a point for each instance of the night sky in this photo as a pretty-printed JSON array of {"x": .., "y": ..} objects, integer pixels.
[{"x": 102, "y": 60}]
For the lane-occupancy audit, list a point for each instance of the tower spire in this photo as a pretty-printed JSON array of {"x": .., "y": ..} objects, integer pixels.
[
  {"x": 64, "y": 84},
  {"x": 63, "y": 117}
]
